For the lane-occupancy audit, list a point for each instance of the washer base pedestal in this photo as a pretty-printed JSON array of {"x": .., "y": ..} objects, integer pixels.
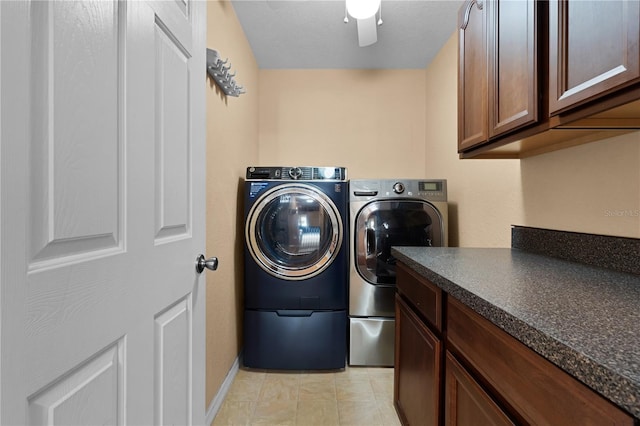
[{"x": 295, "y": 339}]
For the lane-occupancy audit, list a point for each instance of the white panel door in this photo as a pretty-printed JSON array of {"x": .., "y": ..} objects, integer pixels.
[{"x": 102, "y": 212}]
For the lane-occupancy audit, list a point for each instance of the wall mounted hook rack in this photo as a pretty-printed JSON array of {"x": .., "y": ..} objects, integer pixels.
[{"x": 219, "y": 71}]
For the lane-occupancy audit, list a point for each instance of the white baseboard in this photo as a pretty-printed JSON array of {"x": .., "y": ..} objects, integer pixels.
[{"x": 217, "y": 401}]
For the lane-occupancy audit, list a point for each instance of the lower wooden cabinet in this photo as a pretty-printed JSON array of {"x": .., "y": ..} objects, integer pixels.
[
  {"x": 537, "y": 391},
  {"x": 467, "y": 371},
  {"x": 466, "y": 402},
  {"x": 418, "y": 369}
]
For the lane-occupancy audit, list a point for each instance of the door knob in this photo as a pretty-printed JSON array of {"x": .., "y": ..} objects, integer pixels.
[{"x": 201, "y": 263}]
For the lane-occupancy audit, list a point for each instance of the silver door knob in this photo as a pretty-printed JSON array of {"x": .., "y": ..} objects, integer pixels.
[{"x": 201, "y": 263}]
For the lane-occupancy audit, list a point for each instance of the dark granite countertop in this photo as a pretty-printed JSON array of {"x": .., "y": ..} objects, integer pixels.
[{"x": 584, "y": 319}]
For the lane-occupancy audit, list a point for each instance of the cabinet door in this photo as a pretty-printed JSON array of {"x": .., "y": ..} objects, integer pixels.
[
  {"x": 594, "y": 48},
  {"x": 417, "y": 369},
  {"x": 513, "y": 82},
  {"x": 466, "y": 403},
  {"x": 472, "y": 75}
]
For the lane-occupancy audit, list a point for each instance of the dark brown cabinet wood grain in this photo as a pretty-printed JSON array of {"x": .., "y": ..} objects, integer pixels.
[
  {"x": 419, "y": 349},
  {"x": 512, "y": 61},
  {"x": 472, "y": 75},
  {"x": 594, "y": 49},
  {"x": 497, "y": 78},
  {"x": 467, "y": 403},
  {"x": 537, "y": 76},
  {"x": 468, "y": 371},
  {"x": 538, "y": 391},
  {"x": 417, "y": 369},
  {"x": 425, "y": 297}
]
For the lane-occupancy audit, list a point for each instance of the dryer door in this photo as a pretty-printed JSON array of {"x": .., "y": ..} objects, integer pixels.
[
  {"x": 385, "y": 223},
  {"x": 294, "y": 231}
]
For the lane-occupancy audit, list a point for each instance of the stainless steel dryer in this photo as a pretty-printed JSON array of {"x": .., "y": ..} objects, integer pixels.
[{"x": 386, "y": 213}]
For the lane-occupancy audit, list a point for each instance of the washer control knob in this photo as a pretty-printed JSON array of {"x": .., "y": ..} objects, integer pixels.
[
  {"x": 398, "y": 188},
  {"x": 295, "y": 172}
]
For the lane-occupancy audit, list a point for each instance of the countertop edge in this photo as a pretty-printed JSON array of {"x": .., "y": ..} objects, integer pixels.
[{"x": 613, "y": 386}]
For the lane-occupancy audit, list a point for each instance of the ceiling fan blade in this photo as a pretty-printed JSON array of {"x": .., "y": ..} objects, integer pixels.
[{"x": 367, "y": 31}]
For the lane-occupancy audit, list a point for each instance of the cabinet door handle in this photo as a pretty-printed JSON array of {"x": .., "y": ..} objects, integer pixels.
[{"x": 467, "y": 12}]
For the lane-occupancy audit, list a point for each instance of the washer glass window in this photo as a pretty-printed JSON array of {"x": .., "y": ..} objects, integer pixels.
[{"x": 294, "y": 231}]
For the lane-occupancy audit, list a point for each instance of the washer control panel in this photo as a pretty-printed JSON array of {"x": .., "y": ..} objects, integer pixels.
[{"x": 297, "y": 173}]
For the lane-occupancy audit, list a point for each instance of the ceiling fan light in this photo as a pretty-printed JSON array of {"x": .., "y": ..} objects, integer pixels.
[{"x": 362, "y": 9}]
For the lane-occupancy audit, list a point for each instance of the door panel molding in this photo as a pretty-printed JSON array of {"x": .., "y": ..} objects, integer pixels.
[
  {"x": 93, "y": 393},
  {"x": 75, "y": 191},
  {"x": 173, "y": 144},
  {"x": 173, "y": 346}
]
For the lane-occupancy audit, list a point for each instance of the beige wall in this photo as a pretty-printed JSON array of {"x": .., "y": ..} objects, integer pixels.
[
  {"x": 592, "y": 188},
  {"x": 370, "y": 121},
  {"x": 232, "y": 144},
  {"x": 379, "y": 123},
  {"x": 484, "y": 195}
]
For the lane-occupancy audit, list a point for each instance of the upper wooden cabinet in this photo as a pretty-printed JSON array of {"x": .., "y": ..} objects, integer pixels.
[
  {"x": 594, "y": 48},
  {"x": 536, "y": 76},
  {"x": 472, "y": 75},
  {"x": 512, "y": 63},
  {"x": 497, "y": 78}
]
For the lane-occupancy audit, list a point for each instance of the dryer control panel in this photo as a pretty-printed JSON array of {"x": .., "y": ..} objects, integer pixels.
[
  {"x": 425, "y": 189},
  {"x": 297, "y": 173}
]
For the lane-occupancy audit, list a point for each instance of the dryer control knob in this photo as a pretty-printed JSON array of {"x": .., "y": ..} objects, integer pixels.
[
  {"x": 295, "y": 172},
  {"x": 398, "y": 188}
]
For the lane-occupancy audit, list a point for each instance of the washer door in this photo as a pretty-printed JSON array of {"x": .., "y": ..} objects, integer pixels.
[
  {"x": 385, "y": 223},
  {"x": 294, "y": 231}
]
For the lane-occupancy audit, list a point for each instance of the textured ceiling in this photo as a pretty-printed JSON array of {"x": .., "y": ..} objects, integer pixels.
[{"x": 310, "y": 34}]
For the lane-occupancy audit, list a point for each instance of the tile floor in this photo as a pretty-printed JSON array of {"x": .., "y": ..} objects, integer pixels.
[{"x": 353, "y": 396}]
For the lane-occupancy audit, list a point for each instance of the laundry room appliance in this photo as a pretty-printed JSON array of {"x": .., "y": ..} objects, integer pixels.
[
  {"x": 386, "y": 213},
  {"x": 296, "y": 268}
]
